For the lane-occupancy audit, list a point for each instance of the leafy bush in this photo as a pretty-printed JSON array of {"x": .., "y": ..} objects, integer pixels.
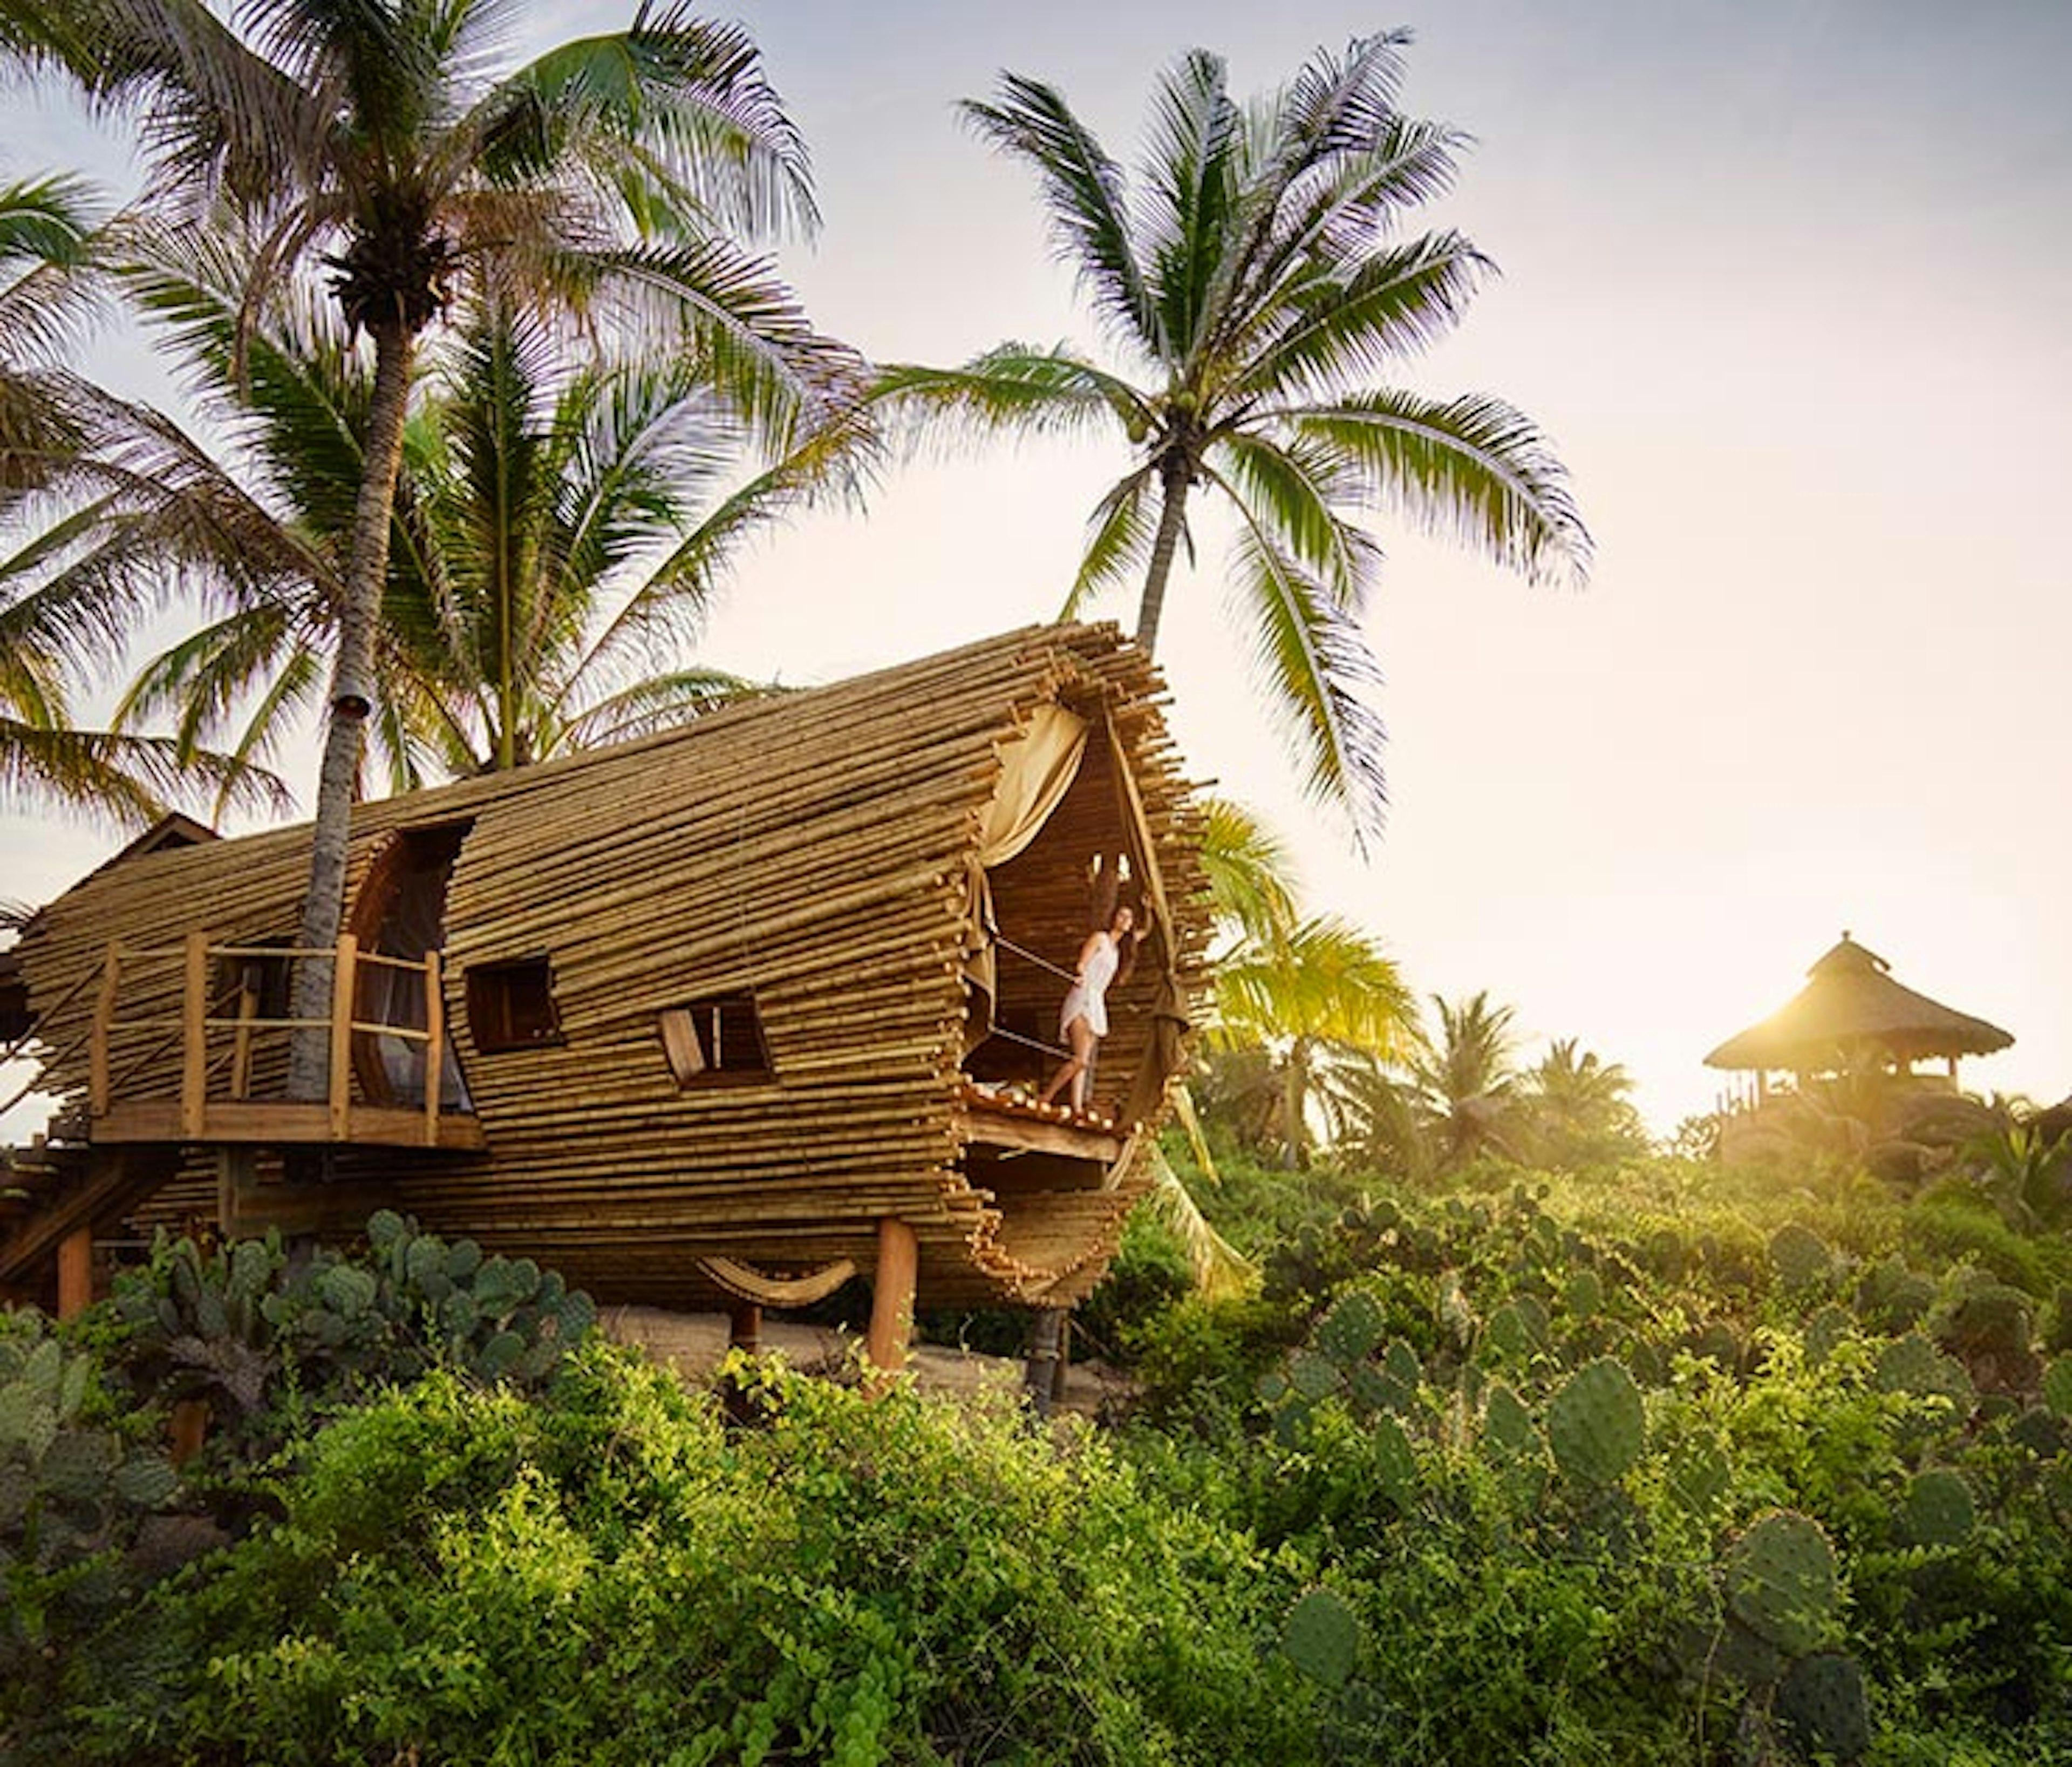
[{"x": 604, "y": 1575}]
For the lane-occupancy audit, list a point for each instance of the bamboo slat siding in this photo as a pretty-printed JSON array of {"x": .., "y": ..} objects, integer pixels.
[{"x": 813, "y": 849}]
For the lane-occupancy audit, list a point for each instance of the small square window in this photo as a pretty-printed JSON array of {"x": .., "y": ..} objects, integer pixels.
[
  {"x": 716, "y": 1041},
  {"x": 511, "y": 1005}
]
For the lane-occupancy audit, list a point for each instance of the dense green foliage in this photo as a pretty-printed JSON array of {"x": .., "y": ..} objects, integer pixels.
[{"x": 1681, "y": 1465}]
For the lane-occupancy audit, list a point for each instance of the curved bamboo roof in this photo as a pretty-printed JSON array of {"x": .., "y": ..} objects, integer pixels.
[{"x": 1850, "y": 1008}]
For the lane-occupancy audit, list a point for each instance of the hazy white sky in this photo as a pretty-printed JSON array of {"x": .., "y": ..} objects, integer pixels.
[{"x": 1787, "y": 284}]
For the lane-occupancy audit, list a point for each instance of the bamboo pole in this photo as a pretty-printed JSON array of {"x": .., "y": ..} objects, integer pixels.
[
  {"x": 343, "y": 983},
  {"x": 435, "y": 1045},
  {"x": 193, "y": 1038},
  {"x": 104, "y": 1025}
]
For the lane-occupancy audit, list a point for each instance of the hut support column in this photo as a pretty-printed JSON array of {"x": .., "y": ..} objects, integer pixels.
[
  {"x": 744, "y": 1330},
  {"x": 1047, "y": 1339},
  {"x": 892, "y": 1296},
  {"x": 75, "y": 1272}
]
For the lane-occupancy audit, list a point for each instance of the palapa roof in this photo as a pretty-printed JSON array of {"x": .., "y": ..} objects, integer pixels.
[{"x": 1850, "y": 1008}]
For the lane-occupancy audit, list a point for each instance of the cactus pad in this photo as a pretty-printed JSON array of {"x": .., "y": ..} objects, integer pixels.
[
  {"x": 1914, "y": 1364},
  {"x": 1782, "y": 1581},
  {"x": 1821, "y": 1699},
  {"x": 1348, "y": 1332},
  {"x": 1938, "y": 1510},
  {"x": 1396, "y": 1461},
  {"x": 1312, "y": 1376},
  {"x": 1321, "y": 1636},
  {"x": 1583, "y": 1295},
  {"x": 1800, "y": 1257},
  {"x": 1596, "y": 1424},
  {"x": 1508, "y": 1424}
]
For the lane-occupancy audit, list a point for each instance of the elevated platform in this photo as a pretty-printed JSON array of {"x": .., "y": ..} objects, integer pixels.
[{"x": 246, "y": 1124}]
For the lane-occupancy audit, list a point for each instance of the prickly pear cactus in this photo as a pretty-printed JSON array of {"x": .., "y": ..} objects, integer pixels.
[
  {"x": 1312, "y": 1376},
  {"x": 1504, "y": 1333},
  {"x": 1583, "y": 1295},
  {"x": 1508, "y": 1424},
  {"x": 1348, "y": 1332},
  {"x": 1822, "y": 1698},
  {"x": 1596, "y": 1424},
  {"x": 1937, "y": 1510},
  {"x": 1893, "y": 1297},
  {"x": 1826, "y": 1330},
  {"x": 1912, "y": 1364},
  {"x": 1800, "y": 1257},
  {"x": 1321, "y": 1636},
  {"x": 1782, "y": 1581},
  {"x": 1396, "y": 1461}
]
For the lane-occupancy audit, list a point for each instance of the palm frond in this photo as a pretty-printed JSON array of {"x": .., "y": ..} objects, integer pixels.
[
  {"x": 1188, "y": 190},
  {"x": 1250, "y": 871},
  {"x": 1221, "y": 1271},
  {"x": 1118, "y": 540},
  {"x": 1472, "y": 468},
  {"x": 1341, "y": 331},
  {"x": 1295, "y": 491},
  {"x": 728, "y": 155},
  {"x": 1016, "y": 387},
  {"x": 1312, "y": 664},
  {"x": 1084, "y": 196}
]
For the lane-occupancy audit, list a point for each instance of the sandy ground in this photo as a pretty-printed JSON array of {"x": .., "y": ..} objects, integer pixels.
[{"x": 694, "y": 1343}]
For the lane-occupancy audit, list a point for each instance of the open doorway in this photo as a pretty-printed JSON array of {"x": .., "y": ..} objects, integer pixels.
[{"x": 400, "y": 912}]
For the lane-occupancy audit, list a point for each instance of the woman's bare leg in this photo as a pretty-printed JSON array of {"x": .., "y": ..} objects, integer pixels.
[{"x": 1080, "y": 1035}]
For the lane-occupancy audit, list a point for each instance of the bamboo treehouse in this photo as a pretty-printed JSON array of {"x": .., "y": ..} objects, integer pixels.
[{"x": 731, "y": 1013}]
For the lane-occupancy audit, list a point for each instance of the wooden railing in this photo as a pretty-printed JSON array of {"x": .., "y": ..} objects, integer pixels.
[{"x": 199, "y": 1112}]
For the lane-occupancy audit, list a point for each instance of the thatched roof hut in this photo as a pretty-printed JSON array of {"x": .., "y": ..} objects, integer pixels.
[
  {"x": 1852, "y": 1015},
  {"x": 698, "y": 1015}
]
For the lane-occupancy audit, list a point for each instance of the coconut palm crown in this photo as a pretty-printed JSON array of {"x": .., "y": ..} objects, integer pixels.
[
  {"x": 1253, "y": 277},
  {"x": 376, "y": 136}
]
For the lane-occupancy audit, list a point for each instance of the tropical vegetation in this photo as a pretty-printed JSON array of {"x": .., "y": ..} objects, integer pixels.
[
  {"x": 1253, "y": 277},
  {"x": 605, "y": 177}
]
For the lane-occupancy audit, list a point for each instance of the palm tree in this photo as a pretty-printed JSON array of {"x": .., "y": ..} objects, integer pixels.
[
  {"x": 1253, "y": 278},
  {"x": 367, "y": 137},
  {"x": 1291, "y": 991},
  {"x": 1467, "y": 1084},
  {"x": 51, "y": 262},
  {"x": 560, "y": 526},
  {"x": 1578, "y": 1108}
]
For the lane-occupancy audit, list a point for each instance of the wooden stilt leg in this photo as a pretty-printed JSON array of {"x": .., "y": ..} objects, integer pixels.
[
  {"x": 75, "y": 1272},
  {"x": 892, "y": 1297},
  {"x": 745, "y": 1328},
  {"x": 1039, "y": 1375}
]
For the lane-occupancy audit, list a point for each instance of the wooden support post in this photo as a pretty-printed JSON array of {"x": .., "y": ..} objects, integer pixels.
[
  {"x": 240, "y": 1040},
  {"x": 1039, "y": 1374},
  {"x": 104, "y": 1026},
  {"x": 435, "y": 1046},
  {"x": 892, "y": 1297},
  {"x": 343, "y": 988},
  {"x": 194, "y": 1039},
  {"x": 75, "y": 1272},
  {"x": 745, "y": 1328}
]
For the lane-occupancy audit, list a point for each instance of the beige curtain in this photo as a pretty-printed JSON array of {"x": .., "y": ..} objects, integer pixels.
[{"x": 1038, "y": 766}]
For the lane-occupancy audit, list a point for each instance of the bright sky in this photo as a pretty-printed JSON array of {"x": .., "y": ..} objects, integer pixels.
[{"x": 1786, "y": 282}]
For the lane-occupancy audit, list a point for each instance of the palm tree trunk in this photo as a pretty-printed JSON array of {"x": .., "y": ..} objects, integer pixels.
[
  {"x": 1176, "y": 474},
  {"x": 366, "y": 570}
]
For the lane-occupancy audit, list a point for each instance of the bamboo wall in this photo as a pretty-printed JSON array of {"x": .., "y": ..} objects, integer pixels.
[{"x": 812, "y": 849}]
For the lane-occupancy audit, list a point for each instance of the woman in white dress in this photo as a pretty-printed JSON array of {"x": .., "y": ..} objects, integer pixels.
[{"x": 1108, "y": 952}]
